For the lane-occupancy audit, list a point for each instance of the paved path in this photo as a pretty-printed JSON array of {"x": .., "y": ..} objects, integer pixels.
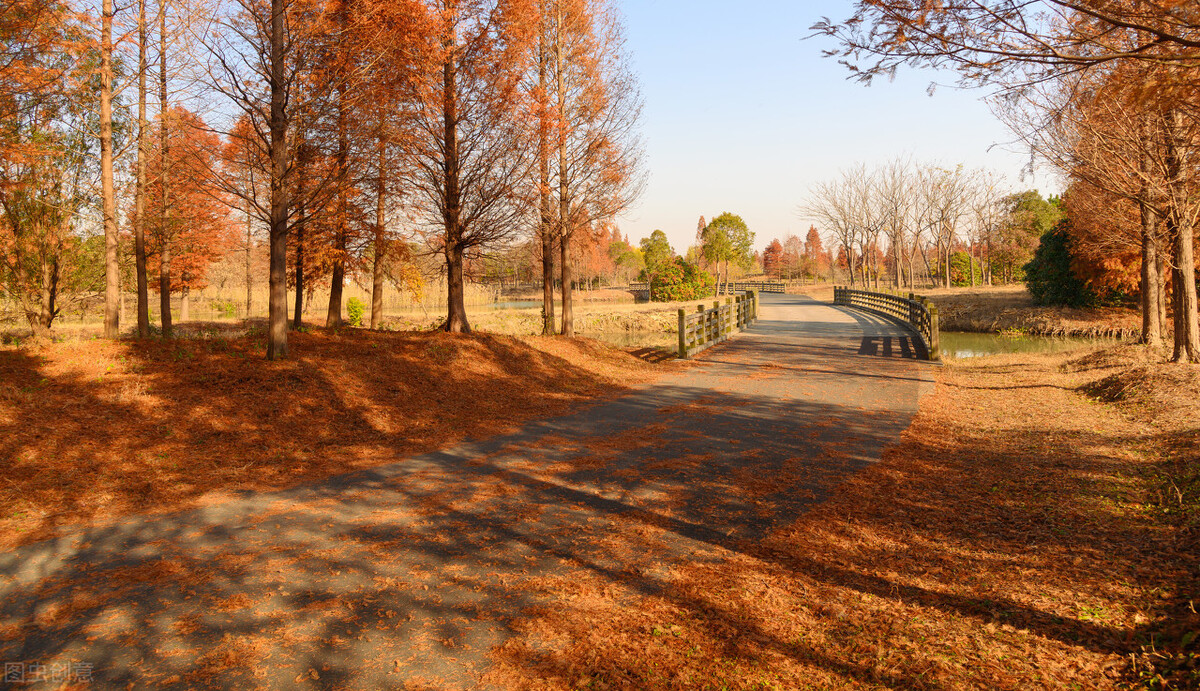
[{"x": 411, "y": 572}]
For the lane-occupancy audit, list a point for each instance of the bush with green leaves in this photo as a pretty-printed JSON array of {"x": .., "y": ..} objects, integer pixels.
[
  {"x": 1048, "y": 275},
  {"x": 679, "y": 279},
  {"x": 354, "y": 311},
  {"x": 225, "y": 308}
]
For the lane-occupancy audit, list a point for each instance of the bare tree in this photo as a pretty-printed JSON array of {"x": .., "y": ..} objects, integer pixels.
[{"x": 472, "y": 151}]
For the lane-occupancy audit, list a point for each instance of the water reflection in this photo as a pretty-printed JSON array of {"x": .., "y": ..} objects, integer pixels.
[{"x": 957, "y": 344}]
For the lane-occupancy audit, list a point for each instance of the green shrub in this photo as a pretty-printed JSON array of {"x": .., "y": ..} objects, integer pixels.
[
  {"x": 961, "y": 268},
  {"x": 354, "y": 311},
  {"x": 1048, "y": 275},
  {"x": 680, "y": 280},
  {"x": 225, "y": 308}
]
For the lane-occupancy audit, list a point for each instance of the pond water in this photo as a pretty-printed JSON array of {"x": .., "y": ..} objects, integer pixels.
[
  {"x": 957, "y": 345},
  {"x": 510, "y": 305}
]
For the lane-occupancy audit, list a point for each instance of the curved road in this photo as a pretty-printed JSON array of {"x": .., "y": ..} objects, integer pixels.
[{"x": 412, "y": 572}]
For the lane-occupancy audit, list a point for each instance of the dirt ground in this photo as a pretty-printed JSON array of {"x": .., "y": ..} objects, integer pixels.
[
  {"x": 93, "y": 430},
  {"x": 1018, "y": 537}
]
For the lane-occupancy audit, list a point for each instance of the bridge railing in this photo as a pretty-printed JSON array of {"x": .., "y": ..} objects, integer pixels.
[
  {"x": 642, "y": 288},
  {"x": 760, "y": 286},
  {"x": 711, "y": 325},
  {"x": 915, "y": 312}
]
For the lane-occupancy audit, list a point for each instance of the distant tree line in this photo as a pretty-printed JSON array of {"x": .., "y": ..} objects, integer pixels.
[{"x": 908, "y": 225}]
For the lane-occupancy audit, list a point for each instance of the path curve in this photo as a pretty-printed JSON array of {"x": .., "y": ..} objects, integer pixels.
[{"x": 411, "y": 572}]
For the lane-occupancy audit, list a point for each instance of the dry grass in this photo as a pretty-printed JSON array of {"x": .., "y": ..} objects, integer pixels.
[
  {"x": 1012, "y": 540},
  {"x": 1010, "y": 308},
  {"x": 93, "y": 430}
]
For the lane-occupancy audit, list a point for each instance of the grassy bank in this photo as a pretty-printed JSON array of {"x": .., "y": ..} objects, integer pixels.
[
  {"x": 94, "y": 430},
  {"x": 1024, "y": 533},
  {"x": 1011, "y": 309},
  {"x": 590, "y": 318}
]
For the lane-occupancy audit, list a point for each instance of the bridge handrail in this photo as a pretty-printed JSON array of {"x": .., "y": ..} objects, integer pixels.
[
  {"x": 760, "y": 286},
  {"x": 915, "y": 312},
  {"x": 724, "y": 289},
  {"x": 710, "y": 325}
]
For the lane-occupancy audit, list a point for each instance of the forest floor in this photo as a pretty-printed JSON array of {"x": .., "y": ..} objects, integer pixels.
[{"x": 93, "y": 430}]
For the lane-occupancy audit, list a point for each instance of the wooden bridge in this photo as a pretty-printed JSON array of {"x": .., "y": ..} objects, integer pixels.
[
  {"x": 641, "y": 290},
  {"x": 914, "y": 312}
]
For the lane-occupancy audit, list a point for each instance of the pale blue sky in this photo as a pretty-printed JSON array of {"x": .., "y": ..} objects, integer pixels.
[{"x": 742, "y": 115}]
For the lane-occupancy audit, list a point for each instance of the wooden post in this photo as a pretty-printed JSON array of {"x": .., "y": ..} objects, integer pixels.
[
  {"x": 935, "y": 348},
  {"x": 727, "y": 318},
  {"x": 682, "y": 334}
]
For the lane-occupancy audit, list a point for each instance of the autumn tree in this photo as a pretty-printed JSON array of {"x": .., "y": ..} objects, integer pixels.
[
  {"x": 831, "y": 204},
  {"x": 197, "y": 230},
  {"x": 473, "y": 150},
  {"x": 772, "y": 259},
  {"x": 138, "y": 218},
  {"x": 246, "y": 169},
  {"x": 48, "y": 156},
  {"x": 596, "y": 106},
  {"x": 260, "y": 57},
  {"x": 627, "y": 260},
  {"x": 814, "y": 251}
]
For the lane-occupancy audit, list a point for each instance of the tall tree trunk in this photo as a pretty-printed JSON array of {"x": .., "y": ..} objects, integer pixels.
[
  {"x": 277, "y": 346},
  {"x": 183, "y": 304},
  {"x": 987, "y": 263},
  {"x": 1180, "y": 225},
  {"x": 333, "y": 318},
  {"x": 1151, "y": 283},
  {"x": 1164, "y": 273},
  {"x": 456, "y": 310},
  {"x": 546, "y": 221},
  {"x": 456, "y": 317},
  {"x": 568, "y": 316},
  {"x": 1151, "y": 326},
  {"x": 139, "y": 204},
  {"x": 565, "y": 228},
  {"x": 112, "y": 285},
  {"x": 301, "y": 226},
  {"x": 164, "y": 173},
  {"x": 49, "y": 293},
  {"x": 249, "y": 246},
  {"x": 380, "y": 240},
  {"x": 897, "y": 268},
  {"x": 949, "y": 241}
]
